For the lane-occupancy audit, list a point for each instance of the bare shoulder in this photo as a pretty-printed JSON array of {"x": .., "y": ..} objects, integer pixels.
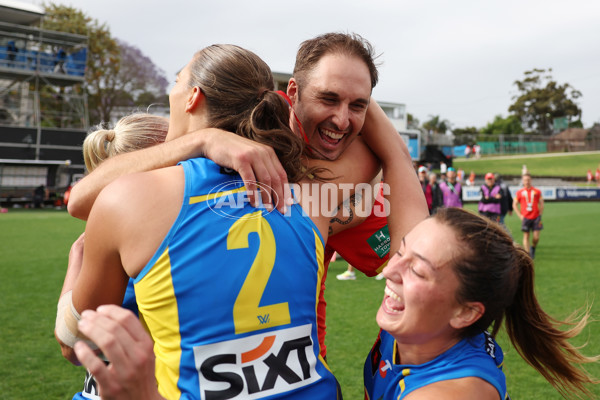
[
  {"x": 470, "y": 388},
  {"x": 357, "y": 164},
  {"x": 139, "y": 205},
  {"x": 141, "y": 186}
]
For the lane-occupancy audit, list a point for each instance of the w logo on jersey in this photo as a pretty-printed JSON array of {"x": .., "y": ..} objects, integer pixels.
[
  {"x": 257, "y": 366},
  {"x": 264, "y": 319}
]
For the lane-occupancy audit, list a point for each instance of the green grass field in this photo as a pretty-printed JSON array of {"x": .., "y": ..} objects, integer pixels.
[
  {"x": 35, "y": 245},
  {"x": 557, "y": 165}
]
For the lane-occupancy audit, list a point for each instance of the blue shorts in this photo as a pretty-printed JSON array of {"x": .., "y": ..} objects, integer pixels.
[{"x": 532, "y": 224}]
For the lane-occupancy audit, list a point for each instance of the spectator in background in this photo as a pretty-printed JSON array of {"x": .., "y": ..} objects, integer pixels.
[
  {"x": 489, "y": 205},
  {"x": 348, "y": 275},
  {"x": 451, "y": 190},
  {"x": 467, "y": 151},
  {"x": 422, "y": 173},
  {"x": 506, "y": 202},
  {"x": 443, "y": 170},
  {"x": 598, "y": 176},
  {"x": 460, "y": 175},
  {"x": 437, "y": 197},
  {"x": 39, "y": 195},
  {"x": 589, "y": 177},
  {"x": 477, "y": 151},
  {"x": 11, "y": 50},
  {"x": 471, "y": 180},
  {"x": 59, "y": 64}
]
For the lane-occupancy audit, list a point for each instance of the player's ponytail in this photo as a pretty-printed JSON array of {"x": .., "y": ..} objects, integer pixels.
[
  {"x": 132, "y": 132},
  {"x": 238, "y": 87},
  {"x": 540, "y": 341}
]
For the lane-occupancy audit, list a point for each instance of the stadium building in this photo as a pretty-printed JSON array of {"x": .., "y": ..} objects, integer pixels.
[{"x": 43, "y": 117}]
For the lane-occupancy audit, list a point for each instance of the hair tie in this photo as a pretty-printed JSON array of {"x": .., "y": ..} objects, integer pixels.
[
  {"x": 262, "y": 94},
  {"x": 110, "y": 135}
]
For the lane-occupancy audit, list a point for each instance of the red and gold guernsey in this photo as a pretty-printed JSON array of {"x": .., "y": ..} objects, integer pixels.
[
  {"x": 230, "y": 297},
  {"x": 529, "y": 199},
  {"x": 366, "y": 247}
]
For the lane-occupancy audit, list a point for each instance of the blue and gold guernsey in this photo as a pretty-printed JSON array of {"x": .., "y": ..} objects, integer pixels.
[
  {"x": 477, "y": 356},
  {"x": 230, "y": 297}
]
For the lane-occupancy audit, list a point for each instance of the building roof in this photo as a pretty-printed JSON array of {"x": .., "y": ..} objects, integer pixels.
[
  {"x": 572, "y": 134},
  {"x": 18, "y": 12}
]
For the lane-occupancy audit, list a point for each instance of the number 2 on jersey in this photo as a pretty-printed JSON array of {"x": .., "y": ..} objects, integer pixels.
[{"x": 248, "y": 315}]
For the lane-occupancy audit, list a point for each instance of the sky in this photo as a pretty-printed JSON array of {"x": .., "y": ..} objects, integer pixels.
[{"x": 457, "y": 59}]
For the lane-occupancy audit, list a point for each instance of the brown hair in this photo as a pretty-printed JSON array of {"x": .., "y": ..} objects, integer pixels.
[
  {"x": 493, "y": 270},
  {"x": 351, "y": 44},
  {"x": 238, "y": 86},
  {"x": 132, "y": 132}
]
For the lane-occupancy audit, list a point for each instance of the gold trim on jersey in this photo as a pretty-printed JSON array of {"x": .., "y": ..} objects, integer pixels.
[
  {"x": 158, "y": 307},
  {"x": 216, "y": 195}
]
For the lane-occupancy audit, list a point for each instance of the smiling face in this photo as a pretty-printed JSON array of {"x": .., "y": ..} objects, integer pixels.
[
  {"x": 332, "y": 102},
  {"x": 419, "y": 304}
]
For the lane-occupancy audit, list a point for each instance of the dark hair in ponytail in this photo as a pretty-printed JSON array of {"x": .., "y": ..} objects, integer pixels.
[
  {"x": 238, "y": 86},
  {"x": 494, "y": 271}
]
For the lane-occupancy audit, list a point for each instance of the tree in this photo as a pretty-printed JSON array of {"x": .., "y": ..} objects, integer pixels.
[
  {"x": 411, "y": 121},
  {"x": 139, "y": 77},
  {"x": 465, "y": 135},
  {"x": 103, "y": 54},
  {"x": 510, "y": 125},
  {"x": 116, "y": 72},
  {"x": 541, "y": 99},
  {"x": 436, "y": 125}
]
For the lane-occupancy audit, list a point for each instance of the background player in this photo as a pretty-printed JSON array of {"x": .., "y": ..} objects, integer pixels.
[{"x": 529, "y": 207}]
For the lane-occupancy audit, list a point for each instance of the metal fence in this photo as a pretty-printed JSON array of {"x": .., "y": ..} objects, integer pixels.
[{"x": 529, "y": 144}]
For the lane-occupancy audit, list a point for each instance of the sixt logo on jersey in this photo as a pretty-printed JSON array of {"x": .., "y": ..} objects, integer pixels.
[{"x": 257, "y": 366}]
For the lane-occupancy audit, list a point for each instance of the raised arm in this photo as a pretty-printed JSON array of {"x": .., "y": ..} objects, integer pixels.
[
  {"x": 253, "y": 161},
  {"x": 408, "y": 205}
]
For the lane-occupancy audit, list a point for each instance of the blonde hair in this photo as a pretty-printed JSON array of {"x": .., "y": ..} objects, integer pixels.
[{"x": 132, "y": 132}]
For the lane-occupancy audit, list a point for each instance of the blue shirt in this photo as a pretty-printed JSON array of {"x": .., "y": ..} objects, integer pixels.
[
  {"x": 230, "y": 297},
  {"x": 478, "y": 356}
]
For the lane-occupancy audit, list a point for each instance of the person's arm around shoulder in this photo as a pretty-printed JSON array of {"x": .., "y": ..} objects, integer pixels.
[
  {"x": 402, "y": 185},
  {"x": 252, "y": 160},
  {"x": 469, "y": 388}
]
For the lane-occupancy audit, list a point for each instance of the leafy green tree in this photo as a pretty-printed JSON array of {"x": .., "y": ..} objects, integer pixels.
[
  {"x": 102, "y": 60},
  {"x": 436, "y": 125},
  {"x": 465, "y": 135},
  {"x": 541, "y": 99},
  {"x": 510, "y": 125},
  {"x": 411, "y": 121},
  {"x": 116, "y": 72}
]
